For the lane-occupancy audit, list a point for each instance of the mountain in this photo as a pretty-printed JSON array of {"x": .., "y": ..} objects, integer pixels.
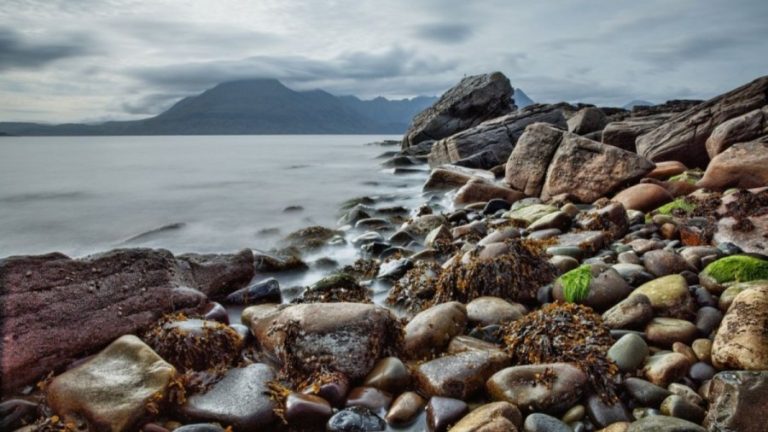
[
  {"x": 521, "y": 99},
  {"x": 637, "y": 102},
  {"x": 254, "y": 106}
]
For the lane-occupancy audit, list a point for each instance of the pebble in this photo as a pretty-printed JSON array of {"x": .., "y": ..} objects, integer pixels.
[
  {"x": 405, "y": 408},
  {"x": 306, "y": 410},
  {"x": 266, "y": 291},
  {"x": 665, "y": 368},
  {"x": 707, "y": 319},
  {"x": 443, "y": 412},
  {"x": 645, "y": 392},
  {"x": 574, "y": 414},
  {"x": 666, "y": 331},
  {"x": 430, "y": 331},
  {"x": 200, "y": 427},
  {"x": 355, "y": 419},
  {"x": 488, "y": 310},
  {"x": 703, "y": 350},
  {"x": 676, "y": 406},
  {"x": 539, "y": 422},
  {"x": 389, "y": 374},
  {"x": 491, "y": 417},
  {"x": 633, "y": 312},
  {"x": 517, "y": 385},
  {"x": 603, "y": 414},
  {"x": 663, "y": 424},
  {"x": 629, "y": 352},
  {"x": 369, "y": 397}
]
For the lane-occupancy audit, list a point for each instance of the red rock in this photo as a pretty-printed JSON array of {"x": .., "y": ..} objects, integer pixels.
[
  {"x": 743, "y": 165},
  {"x": 643, "y": 197},
  {"x": 667, "y": 169}
]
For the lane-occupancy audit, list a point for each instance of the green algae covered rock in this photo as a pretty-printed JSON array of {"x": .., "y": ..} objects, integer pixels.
[
  {"x": 680, "y": 206},
  {"x": 575, "y": 283},
  {"x": 733, "y": 269}
]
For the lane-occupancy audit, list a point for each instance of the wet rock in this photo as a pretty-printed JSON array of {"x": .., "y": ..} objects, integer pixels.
[
  {"x": 389, "y": 374},
  {"x": 666, "y": 331},
  {"x": 333, "y": 387},
  {"x": 355, "y": 419},
  {"x": 449, "y": 177},
  {"x": 215, "y": 312},
  {"x": 345, "y": 337},
  {"x": 114, "y": 389},
  {"x": 660, "y": 423},
  {"x": 604, "y": 414},
  {"x": 439, "y": 237},
  {"x": 676, "y": 406},
  {"x": 596, "y": 286},
  {"x": 629, "y": 352},
  {"x": 539, "y": 422},
  {"x": 489, "y": 310},
  {"x": 669, "y": 296},
  {"x": 306, "y": 410},
  {"x": 310, "y": 238},
  {"x": 443, "y": 412},
  {"x": 633, "y": 312},
  {"x": 473, "y": 100},
  {"x": 644, "y": 197},
  {"x": 266, "y": 263},
  {"x": 405, "y": 408},
  {"x": 198, "y": 427},
  {"x": 477, "y": 190},
  {"x": 92, "y": 301},
  {"x": 395, "y": 269},
  {"x": 494, "y": 205},
  {"x": 15, "y": 413},
  {"x": 420, "y": 226},
  {"x": 492, "y": 417},
  {"x": 741, "y": 166},
  {"x": 646, "y": 393},
  {"x": 735, "y": 399},
  {"x": 664, "y": 262},
  {"x": 665, "y": 368},
  {"x": 741, "y": 341},
  {"x": 338, "y": 287},
  {"x": 459, "y": 375},
  {"x": 372, "y": 398},
  {"x": 612, "y": 219},
  {"x": 266, "y": 291},
  {"x": 684, "y": 137},
  {"x": 520, "y": 386},
  {"x": 430, "y": 331}
]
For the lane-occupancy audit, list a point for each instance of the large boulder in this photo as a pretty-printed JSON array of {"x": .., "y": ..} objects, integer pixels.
[
  {"x": 683, "y": 138},
  {"x": 494, "y": 139},
  {"x": 623, "y": 134},
  {"x": 526, "y": 168},
  {"x": 587, "y": 120},
  {"x": 477, "y": 190},
  {"x": 734, "y": 399},
  {"x": 472, "y": 101},
  {"x": 741, "y": 341},
  {"x": 115, "y": 389},
  {"x": 743, "y": 128},
  {"x": 342, "y": 337},
  {"x": 743, "y": 165},
  {"x": 56, "y": 309}
]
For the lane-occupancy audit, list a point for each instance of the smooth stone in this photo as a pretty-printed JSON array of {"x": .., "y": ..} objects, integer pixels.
[
  {"x": 460, "y": 375},
  {"x": 266, "y": 291},
  {"x": 663, "y": 424},
  {"x": 629, "y": 352},
  {"x": 372, "y": 398},
  {"x": 645, "y": 392},
  {"x": 666, "y": 331},
  {"x": 631, "y": 313},
  {"x": 394, "y": 270},
  {"x": 430, "y": 331},
  {"x": 491, "y": 417},
  {"x": 741, "y": 341},
  {"x": 606, "y": 288},
  {"x": 574, "y": 414},
  {"x": 517, "y": 385},
  {"x": 215, "y": 312},
  {"x": 644, "y": 197},
  {"x": 405, "y": 408},
  {"x": 15, "y": 413},
  {"x": 112, "y": 390},
  {"x": 703, "y": 350},
  {"x": 389, "y": 374},
  {"x": 564, "y": 263},
  {"x": 603, "y": 414},
  {"x": 496, "y": 204},
  {"x": 539, "y": 422},
  {"x": 306, "y": 410},
  {"x": 489, "y": 310},
  {"x": 685, "y": 350},
  {"x": 664, "y": 262},
  {"x": 556, "y": 220},
  {"x": 199, "y": 427},
  {"x": 665, "y": 368},
  {"x": 669, "y": 296},
  {"x": 634, "y": 274},
  {"x": 707, "y": 319},
  {"x": 443, "y": 412},
  {"x": 333, "y": 390},
  {"x": 676, "y": 406},
  {"x": 629, "y": 257},
  {"x": 355, "y": 419},
  {"x": 737, "y": 401},
  {"x": 239, "y": 399},
  {"x": 686, "y": 393}
]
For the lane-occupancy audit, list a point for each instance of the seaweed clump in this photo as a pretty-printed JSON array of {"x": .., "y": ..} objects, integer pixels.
[
  {"x": 515, "y": 274},
  {"x": 313, "y": 237},
  {"x": 339, "y": 287},
  {"x": 565, "y": 332},
  {"x": 575, "y": 283},
  {"x": 414, "y": 291},
  {"x": 737, "y": 268}
]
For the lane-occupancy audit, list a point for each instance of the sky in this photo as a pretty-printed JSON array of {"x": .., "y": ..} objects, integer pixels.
[{"x": 95, "y": 60}]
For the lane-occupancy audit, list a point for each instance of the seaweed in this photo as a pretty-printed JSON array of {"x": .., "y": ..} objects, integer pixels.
[
  {"x": 339, "y": 287},
  {"x": 414, "y": 291},
  {"x": 737, "y": 268},
  {"x": 576, "y": 282}
]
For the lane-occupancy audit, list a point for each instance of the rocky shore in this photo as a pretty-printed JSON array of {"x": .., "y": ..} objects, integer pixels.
[{"x": 571, "y": 268}]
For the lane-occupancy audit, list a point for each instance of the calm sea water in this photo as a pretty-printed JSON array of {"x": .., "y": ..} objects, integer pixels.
[{"x": 80, "y": 195}]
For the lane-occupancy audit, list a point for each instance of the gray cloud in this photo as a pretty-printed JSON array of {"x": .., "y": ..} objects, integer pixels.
[
  {"x": 18, "y": 51},
  {"x": 447, "y": 33},
  {"x": 694, "y": 48}
]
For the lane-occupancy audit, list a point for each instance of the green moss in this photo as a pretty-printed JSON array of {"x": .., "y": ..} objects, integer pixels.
[
  {"x": 575, "y": 283},
  {"x": 691, "y": 177},
  {"x": 737, "y": 268},
  {"x": 676, "y": 207}
]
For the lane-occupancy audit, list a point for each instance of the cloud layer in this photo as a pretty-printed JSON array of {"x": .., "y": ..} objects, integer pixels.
[{"x": 64, "y": 60}]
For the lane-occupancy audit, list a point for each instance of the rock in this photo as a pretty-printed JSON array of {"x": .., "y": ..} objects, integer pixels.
[
  {"x": 355, "y": 419},
  {"x": 623, "y": 134},
  {"x": 676, "y": 406},
  {"x": 664, "y": 262},
  {"x": 477, "y": 190},
  {"x": 563, "y": 263},
  {"x": 669, "y": 296},
  {"x": 666, "y": 331},
  {"x": 488, "y": 310},
  {"x": 703, "y": 350},
  {"x": 526, "y": 168},
  {"x": 303, "y": 410},
  {"x": 197, "y": 427},
  {"x": 460, "y": 375},
  {"x": 741, "y": 341},
  {"x": 194, "y": 344},
  {"x": 666, "y": 169},
  {"x": 15, "y": 413},
  {"x": 586, "y": 241},
  {"x": 310, "y": 238},
  {"x": 92, "y": 301},
  {"x": 473, "y": 100},
  {"x": 596, "y": 286},
  {"x": 439, "y": 236},
  {"x": 557, "y": 220},
  {"x": 646, "y": 393},
  {"x": 739, "y": 129},
  {"x": 708, "y": 319},
  {"x": 539, "y": 422},
  {"x": 643, "y": 197},
  {"x": 735, "y": 397},
  {"x": 495, "y": 205},
  {"x": 604, "y": 414},
  {"x": 266, "y": 291},
  {"x": 495, "y": 138},
  {"x": 729, "y": 231},
  {"x": 114, "y": 389},
  {"x": 683, "y": 138},
  {"x": 491, "y": 417},
  {"x": 664, "y": 368},
  {"x": 588, "y": 170},
  {"x": 343, "y": 337},
  {"x": 633, "y": 312},
  {"x": 443, "y": 412},
  {"x": 239, "y": 399},
  {"x": 453, "y": 177},
  {"x": 389, "y": 374},
  {"x": 405, "y": 408},
  {"x": 421, "y": 226},
  {"x": 266, "y": 263},
  {"x": 528, "y": 214},
  {"x": 586, "y": 120},
  {"x": 744, "y": 165},
  {"x": 333, "y": 387},
  {"x": 372, "y": 398},
  {"x": 660, "y": 423},
  {"x": 518, "y": 386},
  {"x": 612, "y": 219},
  {"x": 430, "y": 331},
  {"x": 629, "y": 352}
]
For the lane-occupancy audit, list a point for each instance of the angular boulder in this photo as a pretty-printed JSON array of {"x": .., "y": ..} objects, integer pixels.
[
  {"x": 587, "y": 120},
  {"x": 739, "y": 129},
  {"x": 472, "y": 101},
  {"x": 89, "y": 302},
  {"x": 734, "y": 399},
  {"x": 526, "y": 168},
  {"x": 497, "y": 136},
  {"x": 741, "y": 341},
  {"x": 683, "y": 138},
  {"x": 743, "y": 165},
  {"x": 622, "y": 134}
]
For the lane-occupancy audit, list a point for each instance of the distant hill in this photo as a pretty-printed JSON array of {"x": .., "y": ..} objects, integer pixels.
[
  {"x": 637, "y": 102},
  {"x": 521, "y": 99},
  {"x": 254, "y": 106}
]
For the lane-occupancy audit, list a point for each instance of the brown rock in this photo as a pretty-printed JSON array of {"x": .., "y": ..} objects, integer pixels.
[
  {"x": 739, "y": 129},
  {"x": 743, "y": 165},
  {"x": 737, "y": 400},
  {"x": 491, "y": 417},
  {"x": 526, "y": 168},
  {"x": 518, "y": 385},
  {"x": 587, "y": 120},
  {"x": 622, "y": 134},
  {"x": 405, "y": 408},
  {"x": 477, "y": 190},
  {"x": 453, "y": 177},
  {"x": 683, "y": 137},
  {"x": 643, "y": 197},
  {"x": 459, "y": 375},
  {"x": 667, "y": 169},
  {"x": 665, "y": 368},
  {"x": 741, "y": 341},
  {"x": 430, "y": 331},
  {"x": 662, "y": 262},
  {"x": 488, "y": 310}
]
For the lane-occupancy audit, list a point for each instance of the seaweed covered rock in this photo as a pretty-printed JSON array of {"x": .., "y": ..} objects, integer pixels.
[
  {"x": 733, "y": 269},
  {"x": 414, "y": 291},
  {"x": 339, "y": 287},
  {"x": 596, "y": 286},
  {"x": 310, "y": 238},
  {"x": 565, "y": 332},
  {"x": 514, "y": 274},
  {"x": 337, "y": 337},
  {"x": 194, "y": 344}
]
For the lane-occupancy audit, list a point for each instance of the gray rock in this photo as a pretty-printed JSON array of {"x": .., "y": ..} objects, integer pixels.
[
  {"x": 664, "y": 424},
  {"x": 646, "y": 393},
  {"x": 587, "y": 120},
  {"x": 629, "y": 352},
  {"x": 460, "y": 375},
  {"x": 737, "y": 401},
  {"x": 623, "y": 134},
  {"x": 539, "y": 422}
]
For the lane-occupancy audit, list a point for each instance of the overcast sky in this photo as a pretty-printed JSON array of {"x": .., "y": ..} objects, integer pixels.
[{"x": 89, "y": 60}]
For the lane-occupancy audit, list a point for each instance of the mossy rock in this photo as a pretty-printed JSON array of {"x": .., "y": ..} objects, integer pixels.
[
  {"x": 733, "y": 269},
  {"x": 575, "y": 283},
  {"x": 690, "y": 177},
  {"x": 678, "y": 207}
]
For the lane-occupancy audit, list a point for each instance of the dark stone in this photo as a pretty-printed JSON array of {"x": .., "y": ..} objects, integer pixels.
[
  {"x": 200, "y": 427},
  {"x": 701, "y": 371},
  {"x": 15, "y": 413},
  {"x": 707, "y": 319},
  {"x": 389, "y": 374},
  {"x": 604, "y": 414},
  {"x": 494, "y": 205},
  {"x": 215, "y": 312},
  {"x": 737, "y": 401},
  {"x": 306, "y": 410},
  {"x": 645, "y": 392},
  {"x": 355, "y": 419},
  {"x": 443, "y": 412},
  {"x": 372, "y": 398},
  {"x": 539, "y": 422},
  {"x": 266, "y": 291}
]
